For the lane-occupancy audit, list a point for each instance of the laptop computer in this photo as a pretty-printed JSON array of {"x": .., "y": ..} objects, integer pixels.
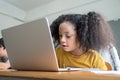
[{"x": 30, "y": 46}]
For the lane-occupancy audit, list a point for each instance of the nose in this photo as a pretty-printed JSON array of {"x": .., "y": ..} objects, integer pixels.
[{"x": 63, "y": 39}]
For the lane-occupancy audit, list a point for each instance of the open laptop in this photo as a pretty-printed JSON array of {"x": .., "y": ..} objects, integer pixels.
[{"x": 30, "y": 46}]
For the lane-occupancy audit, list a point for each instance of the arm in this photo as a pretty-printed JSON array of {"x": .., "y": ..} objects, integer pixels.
[{"x": 4, "y": 65}]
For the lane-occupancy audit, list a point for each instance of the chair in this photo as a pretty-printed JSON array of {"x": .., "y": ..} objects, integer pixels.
[{"x": 109, "y": 67}]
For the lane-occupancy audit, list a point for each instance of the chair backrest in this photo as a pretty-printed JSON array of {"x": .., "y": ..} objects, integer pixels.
[{"x": 109, "y": 67}]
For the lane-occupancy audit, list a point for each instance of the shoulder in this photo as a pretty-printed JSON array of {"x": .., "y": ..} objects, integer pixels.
[
  {"x": 95, "y": 56},
  {"x": 98, "y": 60},
  {"x": 94, "y": 53}
]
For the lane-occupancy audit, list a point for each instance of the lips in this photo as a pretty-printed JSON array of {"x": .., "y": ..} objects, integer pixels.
[{"x": 64, "y": 46}]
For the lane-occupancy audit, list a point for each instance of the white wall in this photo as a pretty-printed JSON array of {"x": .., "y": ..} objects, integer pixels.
[
  {"x": 7, "y": 22},
  {"x": 110, "y": 9},
  {"x": 12, "y": 11},
  {"x": 55, "y": 7},
  {"x": 10, "y": 15}
]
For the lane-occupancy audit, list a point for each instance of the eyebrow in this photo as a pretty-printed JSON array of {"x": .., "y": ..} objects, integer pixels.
[
  {"x": 68, "y": 33},
  {"x": 65, "y": 32}
]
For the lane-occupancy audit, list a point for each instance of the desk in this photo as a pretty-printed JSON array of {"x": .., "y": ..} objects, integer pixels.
[{"x": 39, "y": 75}]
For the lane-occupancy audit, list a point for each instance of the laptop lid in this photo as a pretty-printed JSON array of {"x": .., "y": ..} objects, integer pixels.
[{"x": 30, "y": 46}]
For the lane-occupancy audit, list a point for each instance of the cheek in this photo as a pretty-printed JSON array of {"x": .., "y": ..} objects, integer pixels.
[
  {"x": 0, "y": 50},
  {"x": 76, "y": 43},
  {"x": 73, "y": 42}
]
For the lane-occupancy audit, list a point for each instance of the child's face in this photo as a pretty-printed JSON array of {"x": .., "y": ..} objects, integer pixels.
[
  {"x": 3, "y": 52},
  {"x": 68, "y": 37}
]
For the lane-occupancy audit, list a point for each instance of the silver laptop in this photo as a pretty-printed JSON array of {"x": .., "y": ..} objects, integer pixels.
[{"x": 30, "y": 46}]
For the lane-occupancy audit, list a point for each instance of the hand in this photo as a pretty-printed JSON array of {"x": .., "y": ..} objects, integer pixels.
[{"x": 4, "y": 66}]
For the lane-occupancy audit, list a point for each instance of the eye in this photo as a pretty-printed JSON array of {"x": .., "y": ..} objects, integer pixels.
[{"x": 68, "y": 36}]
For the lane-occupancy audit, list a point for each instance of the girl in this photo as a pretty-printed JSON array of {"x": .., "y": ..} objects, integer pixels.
[{"x": 78, "y": 36}]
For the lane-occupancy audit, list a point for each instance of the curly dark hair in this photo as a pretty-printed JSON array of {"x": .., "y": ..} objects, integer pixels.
[
  {"x": 2, "y": 43},
  {"x": 93, "y": 32}
]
